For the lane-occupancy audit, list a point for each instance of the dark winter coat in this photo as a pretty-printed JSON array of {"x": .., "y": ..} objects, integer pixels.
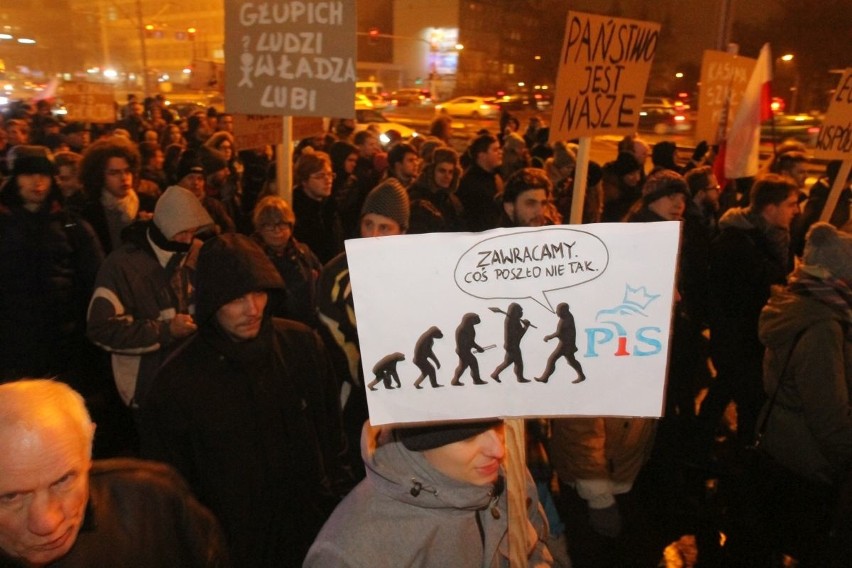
[
  {"x": 48, "y": 263},
  {"x": 254, "y": 425},
  {"x": 317, "y": 225},
  {"x": 478, "y": 193},
  {"x": 141, "y": 514}
]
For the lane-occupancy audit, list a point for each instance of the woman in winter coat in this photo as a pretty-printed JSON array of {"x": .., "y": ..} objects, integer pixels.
[
  {"x": 807, "y": 423},
  {"x": 433, "y": 496}
]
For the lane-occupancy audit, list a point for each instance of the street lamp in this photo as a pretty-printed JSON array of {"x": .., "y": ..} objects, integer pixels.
[{"x": 788, "y": 58}]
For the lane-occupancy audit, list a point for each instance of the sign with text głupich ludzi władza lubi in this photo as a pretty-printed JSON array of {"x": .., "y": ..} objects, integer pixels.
[
  {"x": 602, "y": 75},
  {"x": 291, "y": 58}
]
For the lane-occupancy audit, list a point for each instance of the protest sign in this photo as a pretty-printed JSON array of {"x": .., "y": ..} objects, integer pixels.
[
  {"x": 89, "y": 102},
  {"x": 835, "y": 137},
  {"x": 257, "y": 130},
  {"x": 602, "y": 75},
  {"x": 724, "y": 77},
  {"x": 587, "y": 311},
  {"x": 294, "y": 58},
  {"x": 207, "y": 76}
]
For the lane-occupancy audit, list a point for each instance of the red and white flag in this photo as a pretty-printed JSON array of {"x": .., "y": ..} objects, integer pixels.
[{"x": 742, "y": 148}]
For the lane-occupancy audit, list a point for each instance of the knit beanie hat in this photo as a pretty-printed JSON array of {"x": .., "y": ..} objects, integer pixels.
[
  {"x": 32, "y": 160},
  {"x": 212, "y": 160},
  {"x": 179, "y": 210},
  {"x": 231, "y": 265},
  {"x": 421, "y": 438},
  {"x": 830, "y": 249},
  {"x": 626, "y": 163},
  {"x": 563, "y": 156},
  {"x": 662, "y": 183},
  {"x": 663, "y": 154},
  {"x": 389, "y": 199},
  {"x": 189, "y": 163}
]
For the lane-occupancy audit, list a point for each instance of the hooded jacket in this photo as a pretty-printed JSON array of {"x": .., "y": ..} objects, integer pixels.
[
  {"x": 809, "y": 429},
  {"x": 406, "y": 513},
  {"x": 445, "y": 200},
  {"x": 253, "y": 425}
]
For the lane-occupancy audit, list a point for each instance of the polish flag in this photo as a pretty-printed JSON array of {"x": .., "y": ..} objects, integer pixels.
[{"x": 742, "y": 151}]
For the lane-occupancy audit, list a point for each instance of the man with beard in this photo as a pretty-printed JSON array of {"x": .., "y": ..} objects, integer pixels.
[{"x": 527, "y": 199}]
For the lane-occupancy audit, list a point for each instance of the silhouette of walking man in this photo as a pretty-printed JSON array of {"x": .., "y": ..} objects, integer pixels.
[
  {"x": 515, "y": 330},
  {"x": 385, "y": 370},
  {"x": 423, "y": 352},
  {"x": 465, "y": 344},
  {"x": 566, "y": 332}
]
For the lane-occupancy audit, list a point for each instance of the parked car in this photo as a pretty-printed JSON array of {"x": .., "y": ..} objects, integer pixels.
[
  {"x": 366, "y": 117},
  {"x": 379, "y": 102},
  {"x": 515, "y": 102},
  {"x": 362, "y": 101},
  {"x": 801, "y": 127},
  {"x": 411, "y": 97},
  {"x": 662, "y": 119},
  {"x": 473, "y": 107}
]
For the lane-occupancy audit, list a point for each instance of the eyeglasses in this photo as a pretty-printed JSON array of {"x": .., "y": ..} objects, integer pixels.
[
  {"x": 323, "y": 175},
  {"x": 275, "y": 227}
]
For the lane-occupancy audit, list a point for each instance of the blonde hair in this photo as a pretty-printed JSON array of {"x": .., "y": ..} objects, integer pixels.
[
  {"x": 272, "y": 209},
  {"x": 35, "y": 403}
]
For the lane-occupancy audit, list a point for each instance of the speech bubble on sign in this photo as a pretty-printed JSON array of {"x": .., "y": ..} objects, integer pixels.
[{"x": 530, "y": 264}]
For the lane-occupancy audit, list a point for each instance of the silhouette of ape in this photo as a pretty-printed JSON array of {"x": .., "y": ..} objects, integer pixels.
[
  {"x": 465, "y": 344},
  {"x": 423, "y": 352},
  {"x": 566, "y": 332},
  {"x": 515, "y": 328},
  {"x": 385, "y": 370}
]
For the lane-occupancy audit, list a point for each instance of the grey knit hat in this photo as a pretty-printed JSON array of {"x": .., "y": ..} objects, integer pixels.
[
  {"x": 389, "y": 199},
  {"x": 830, "y": 249},
  {"x": 179, "y": 210}
]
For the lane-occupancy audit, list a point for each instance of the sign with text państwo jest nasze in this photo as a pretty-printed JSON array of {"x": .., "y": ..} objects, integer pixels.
[
  {"x": 602, "y": 75},
  {"x": 553, "y": 321},
  {"x": 292, "y": 58}
]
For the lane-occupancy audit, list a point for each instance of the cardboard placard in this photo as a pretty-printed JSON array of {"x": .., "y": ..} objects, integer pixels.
[
  {"x": 602, "y": 75},
  {"x": 89, "y": 102},
  {"x": 595, "y": 300},
  {"x": 835, "y": 137},
  {"x": 257, "y": 130},
  {"x": 724, "y": 77},
  {"x": 292, "y": 58}
]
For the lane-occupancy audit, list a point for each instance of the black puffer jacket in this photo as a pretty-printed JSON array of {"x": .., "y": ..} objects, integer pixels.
[{"x": 48, "y": 262}]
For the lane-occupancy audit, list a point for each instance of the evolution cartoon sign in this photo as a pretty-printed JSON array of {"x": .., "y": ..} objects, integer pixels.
[{"x": 554, "y": 321}]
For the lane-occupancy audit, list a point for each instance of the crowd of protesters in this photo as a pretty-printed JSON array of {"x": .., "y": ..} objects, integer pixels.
[{"x": 209, "y": 324}]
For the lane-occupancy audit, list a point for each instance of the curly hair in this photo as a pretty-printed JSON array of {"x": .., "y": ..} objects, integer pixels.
[{"x": 95, "y": 158}]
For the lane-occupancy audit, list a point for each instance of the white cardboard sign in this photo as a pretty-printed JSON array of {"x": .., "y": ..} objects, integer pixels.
[{"x": 427, "y": 304}]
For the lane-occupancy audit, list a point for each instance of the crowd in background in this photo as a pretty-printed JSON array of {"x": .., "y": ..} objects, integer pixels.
[{"x": 101, "y": 228}]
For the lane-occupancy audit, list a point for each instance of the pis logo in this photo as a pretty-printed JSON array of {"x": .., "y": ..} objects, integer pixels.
[{"x": 645, "y": 340}]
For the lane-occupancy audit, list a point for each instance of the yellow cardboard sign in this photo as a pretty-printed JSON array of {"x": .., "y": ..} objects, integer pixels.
[
  {"x": 835, "y": 137},
  {"x": 602, "y": 75}
]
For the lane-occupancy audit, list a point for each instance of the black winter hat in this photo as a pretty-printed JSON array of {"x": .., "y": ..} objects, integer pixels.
[
  {"x": 626, "y": 163},
  {"x": 229, "y": 266},
  {"x": 33, "y": 160},
  {"x": 189, "y": 163},
  {"x": 422, "y": 438}
]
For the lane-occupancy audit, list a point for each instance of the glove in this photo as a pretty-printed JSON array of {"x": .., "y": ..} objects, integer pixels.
[
  {"x": 700, "y": 150},
  {"x": 607, "y": 521}
]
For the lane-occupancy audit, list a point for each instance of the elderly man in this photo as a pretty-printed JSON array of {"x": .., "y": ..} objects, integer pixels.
[
  {"x": 248, "y": 411},
  {"x": 59, "y": 508}
]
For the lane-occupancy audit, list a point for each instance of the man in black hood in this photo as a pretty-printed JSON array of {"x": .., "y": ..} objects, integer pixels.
[{"x": 248, "y": 411}]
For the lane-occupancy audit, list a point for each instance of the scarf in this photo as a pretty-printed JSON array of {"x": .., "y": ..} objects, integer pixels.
[
  {"x": 127, "y": 207},
  {"x": 830, "y": 291}
]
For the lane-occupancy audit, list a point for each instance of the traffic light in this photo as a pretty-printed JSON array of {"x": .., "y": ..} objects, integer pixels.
[
  {"x": 190, "y": 34},
  {"x": 149, "y": 31},
  {"x": 374, "y": 36}
]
